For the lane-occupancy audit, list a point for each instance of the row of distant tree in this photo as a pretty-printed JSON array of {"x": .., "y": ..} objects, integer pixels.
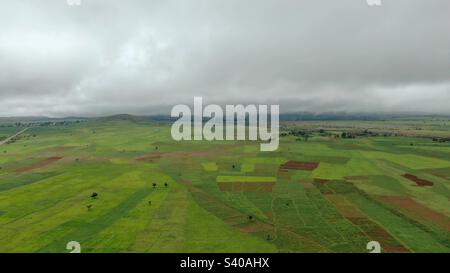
[
  {"x": 304, "y": 134},
  {"x": 441, "y": 139},
  {"x": 42, "y": 123}
]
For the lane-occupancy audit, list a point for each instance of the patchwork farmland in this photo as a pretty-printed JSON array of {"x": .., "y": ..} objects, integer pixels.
[{"x": 330, "y": 187}]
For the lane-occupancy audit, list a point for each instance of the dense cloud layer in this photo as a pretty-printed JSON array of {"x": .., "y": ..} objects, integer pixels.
[{"x": 141, "y": 56}]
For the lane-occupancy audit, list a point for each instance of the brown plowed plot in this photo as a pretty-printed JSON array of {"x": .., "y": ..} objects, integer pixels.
[
  {"x": 418, "y": 210},
  {"x": 395, "y": 248},
  {"x": 377, "y": 233},
  {"x": 420, "y": 182},
  {"x": 284, "y": 174},
  {"x": 321, "y": 185},
  {"x": 246, "y": 186},
  {"x": 321, "y": 180},
  {"x": 299, "y": 165},
  {"x": 40, "y": 164},
  {"x": 307, "y": 183},
  {"x": 369, "y": 228},
  {"x": 344, "y": 208}
]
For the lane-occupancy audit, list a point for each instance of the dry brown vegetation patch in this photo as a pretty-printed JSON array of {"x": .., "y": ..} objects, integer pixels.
[
  {"x": 284, "y": 174},
  {"x": 419, "y": 181},
  {"x": 321, "y": 185},
  {"x": 299, "y": 165},
  {"x": 417, "y": 209},
  {"x": 345, "y": 208},
  {"x": 367, "y": 227},
  {"x": 40, "y": 164},
  {"x": 321, "y": 181},
  {"x": 377, "y": 233},
  {"x": 307, "y": 183}
]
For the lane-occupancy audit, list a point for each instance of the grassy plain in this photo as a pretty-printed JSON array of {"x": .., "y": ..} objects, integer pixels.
[{"x": 158, "y": 195}]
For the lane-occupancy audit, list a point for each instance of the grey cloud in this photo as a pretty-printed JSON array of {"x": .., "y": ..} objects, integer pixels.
[{"x": 141, "y": 57}]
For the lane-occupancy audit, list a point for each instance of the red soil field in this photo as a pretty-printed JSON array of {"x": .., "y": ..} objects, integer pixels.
[
  {"x": 377, "y": 233},
  {"x": 40, "y": 164},
  {"x": 369, "y": 228},
  {"x": 420, "y": 182},
  {"x": 395, "y": 248},
  {"x": 299, "y": 165},
  {"x": 418, "y": 210}
]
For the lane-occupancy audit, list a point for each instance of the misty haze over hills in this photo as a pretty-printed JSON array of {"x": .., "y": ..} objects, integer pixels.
[
  {"x": 283, "y": 117},
  {"x": 142, "y": 57}
]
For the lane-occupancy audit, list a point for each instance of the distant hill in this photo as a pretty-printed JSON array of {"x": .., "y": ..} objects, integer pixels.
[
  {"x": 355, "y": 116},
  {"x": 121, "y": 117},
  {"x": 329, "y": 116},
  {"x": 303, "y": 116}
]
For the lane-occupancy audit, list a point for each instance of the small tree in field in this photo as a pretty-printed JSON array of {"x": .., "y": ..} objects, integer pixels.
[
  {"x": 94, "y": 195},
  {"x": 154, "y": 185}
]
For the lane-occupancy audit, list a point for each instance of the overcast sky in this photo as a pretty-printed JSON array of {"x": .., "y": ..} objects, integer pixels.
[{"x": 142, "y": 56}]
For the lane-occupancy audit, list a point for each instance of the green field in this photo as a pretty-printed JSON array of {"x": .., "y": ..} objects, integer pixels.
[
  {"x": 158, "y": 195},
  {"x": 235, "y": 178}
]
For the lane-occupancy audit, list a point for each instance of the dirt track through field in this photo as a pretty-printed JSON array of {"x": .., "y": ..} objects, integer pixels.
[{"x": 13, "y": 136}]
